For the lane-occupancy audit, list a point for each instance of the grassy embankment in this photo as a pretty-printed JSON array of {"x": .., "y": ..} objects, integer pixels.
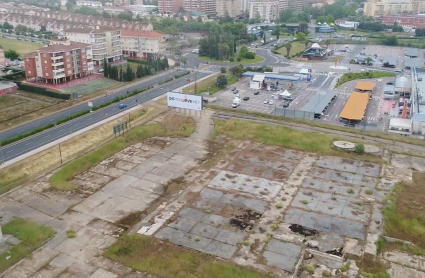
[
  {"x": 209, "y": 85},
  {"x": 177, "y": 126},
  {"x": 361, "y": 75}
]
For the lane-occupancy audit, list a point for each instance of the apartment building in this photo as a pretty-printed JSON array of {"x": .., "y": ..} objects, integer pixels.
[
  {"x": 208, "y": 7},
  {"x": 122, "y": 3},
  {"x": 267, "y": 10},
  {"x": 105, "y": 41},
  {"x": 138, "y": 44},
  {"x": 59, "y": 63},
  {"x": 296, "y": 5},
  {"x": 244, "y": 5},
  {"x": 2, "y": 58},
  {"x": 170, "y": 6},
  {"x": 91, "y": 4},
  {"x": 233, "y": 7},
  {"x": 380, "y": 8}
]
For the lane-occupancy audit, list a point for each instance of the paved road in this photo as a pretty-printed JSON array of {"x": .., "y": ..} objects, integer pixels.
[
  {"x": 16, "y": 149},
  {"x": 73, "y": 110}
]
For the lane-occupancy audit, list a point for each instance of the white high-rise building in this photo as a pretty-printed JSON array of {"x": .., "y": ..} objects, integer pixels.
[
  {"x": 267, "y": 10},
  {"x": 245, "y": 5},
  {"x": 233, "y": 7}
]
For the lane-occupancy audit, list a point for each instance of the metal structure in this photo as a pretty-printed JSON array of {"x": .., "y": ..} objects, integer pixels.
[{"x": 121, "y": 127}]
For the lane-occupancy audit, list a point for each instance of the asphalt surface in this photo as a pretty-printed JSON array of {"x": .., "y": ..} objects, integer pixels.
[
  {"x": 23, "y": 146},
  {"x": 84, "y": 106}
]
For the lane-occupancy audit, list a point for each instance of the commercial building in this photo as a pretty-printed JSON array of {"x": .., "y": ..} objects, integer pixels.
[
  {"x": 347, "y": 24},
  {"x": 402, "y": 86},
  {"x": 319, "y": 103},
  {"x": 380, "y": 8},
  {"x": 315, "y": 52},
  {"x": 138, "y": 44},
  {"x": 355, "y": 107},
  {"x": 266, "y": 10},
  {"x": 105, "y": 41},
  {"x": 405, "y": 20},
  {"x": 59, "y": 63},
  {"x": 411, "y": 52},
  {"x": 122, "y": 3},
  {"x": 232, "y": 7},
  {"x": 400, "y": 126},
  {"x": 170, "y": 6},
  {"x": 91, "y": 4}
]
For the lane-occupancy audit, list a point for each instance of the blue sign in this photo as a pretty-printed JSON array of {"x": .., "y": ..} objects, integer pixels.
[{"x": 310, "y": 70}]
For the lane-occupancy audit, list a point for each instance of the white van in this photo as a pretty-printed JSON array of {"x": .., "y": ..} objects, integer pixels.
[
  {"x": 195, "y": 51},
  {"x": 236, "y": 102}
]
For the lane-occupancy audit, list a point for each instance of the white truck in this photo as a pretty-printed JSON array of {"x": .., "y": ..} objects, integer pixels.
[{"x": 236, "y": 102}]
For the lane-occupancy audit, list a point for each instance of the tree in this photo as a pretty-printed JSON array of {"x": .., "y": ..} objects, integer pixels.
[
  {"x": 221, "y": 81},
  {"x": 264, "y": 37},
  {"x": 191, "y": 42},
  {"x": 368, "y": 61},
  {"x": 87, "y": 11},
  {"x": 223, "y": 70},
  {"x": 69, "y": 6},
  {"x": 105, "y": 68},
  {"x": 125, "y": 16},
  {"x": 183, "y": 60},
  {"x": 237, "y": 71},
  {"x": 199, "y": 19},
  {"x": 7, "y": 26},
  {"x": 243, "y": 51},
  {"x": 288, "y": 49},
  {"x": 300, "y": 36},
  {"x": 223, "y": 50},
  {"x": 276, "y": 32},
  {"x": 328, "y": 42},
  {"x": 389, "y": 40},
  {"x": 11, "y": 54},
  {"x": 306, "y": 43}
]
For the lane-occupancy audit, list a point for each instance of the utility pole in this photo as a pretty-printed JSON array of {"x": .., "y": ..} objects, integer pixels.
[
  {"x": 1, "y": 153},
  {"x": 196, "y": 89},
  {"x": 60, "y": 153}
]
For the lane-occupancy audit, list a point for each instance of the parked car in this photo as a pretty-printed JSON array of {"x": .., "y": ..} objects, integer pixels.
[
  {"x": 246, "y": 98},
  {"x": 257, "y": 93},
  {"x": 266, "y": 102},
  {"x": 286, "y": 104},
  {"x": 271, "y": 101},
  {"x": 236, "y": 91},
  {"x": 122, "y": 106},
  {"x": 233, "y": 89}
]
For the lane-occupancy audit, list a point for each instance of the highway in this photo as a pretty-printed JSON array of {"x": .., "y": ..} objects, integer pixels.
[
  {"x": 81, "y": 107},
  {"x": 31, "y": 143}
]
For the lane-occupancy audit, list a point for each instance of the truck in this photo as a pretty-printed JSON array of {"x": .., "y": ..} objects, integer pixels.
[{"x": 236, "y": 102}]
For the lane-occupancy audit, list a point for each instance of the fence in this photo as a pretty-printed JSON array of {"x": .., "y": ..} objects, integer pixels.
[{"x": 292, "y": 113}]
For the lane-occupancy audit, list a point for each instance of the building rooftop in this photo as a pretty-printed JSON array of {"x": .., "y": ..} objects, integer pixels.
[
  {"x": 365, "y": 86},
  {"x": 319, "y": 101},
  {"x": 411, "y": 52},
  {"x": 141, "y": 33},
  {"x": 412, "y": 62},
  {"x": 355, "y": 107},
  {"x": 390, "y": 60},
  {"x": 58, "y": 48},
  {"x": 399, "y": 122},
  {"x": 88, "y": 30},
  {"x": 402, "y": 82}
]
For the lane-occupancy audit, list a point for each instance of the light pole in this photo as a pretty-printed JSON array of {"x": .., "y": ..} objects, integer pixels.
[{"x": 1, "y": 153}]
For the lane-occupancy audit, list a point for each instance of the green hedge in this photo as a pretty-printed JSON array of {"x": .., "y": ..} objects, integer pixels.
[
  {"x": 182, "y": 74},
  {"x": 66, "y": 119},
  {"x": 144, "y": 62},
  {"x": 42, "y": 91},
  {"x": 12, "y": 76},
  {"x": 166, "y": 80}
]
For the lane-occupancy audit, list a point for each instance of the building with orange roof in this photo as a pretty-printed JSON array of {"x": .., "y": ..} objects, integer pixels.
[
  {"x": 355, "y": 107},
  {"x": 138, "y": 44},
  {"x": 59, "y": 63}
]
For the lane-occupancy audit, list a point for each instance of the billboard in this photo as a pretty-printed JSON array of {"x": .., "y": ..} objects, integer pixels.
[{"x": 179, "y": 100}]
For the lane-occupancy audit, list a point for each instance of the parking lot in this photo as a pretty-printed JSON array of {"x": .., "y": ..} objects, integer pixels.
[{"x": 256, "y": 102}]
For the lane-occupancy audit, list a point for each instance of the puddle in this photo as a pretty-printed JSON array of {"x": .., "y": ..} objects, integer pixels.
[
  {"x": 302, "y": 230},
  {"x": 246, "y": 220},
  {"x": 335, "y": 251}
]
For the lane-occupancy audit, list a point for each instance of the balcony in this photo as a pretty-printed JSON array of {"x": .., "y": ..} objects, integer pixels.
[{"x": 57, "y": 57}]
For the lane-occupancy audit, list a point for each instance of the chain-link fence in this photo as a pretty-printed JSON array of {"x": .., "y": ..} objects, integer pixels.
[{"x": 293, "y": 113}]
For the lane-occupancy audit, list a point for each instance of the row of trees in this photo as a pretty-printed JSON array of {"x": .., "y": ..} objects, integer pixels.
[
  {"x": 153, "y": 64},
  {"x": 378, "y": 27},
  {"x": 222, "y": 40}
]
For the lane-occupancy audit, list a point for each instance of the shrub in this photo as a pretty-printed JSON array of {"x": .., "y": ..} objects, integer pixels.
[
  {"x": 359, "y": 148},
  {"x": 42, "y": 91},
  {"x": 239, "y": 59},
  {"x": 310, "y": 268},
  {"x": 223, "y": 70},
  {"x": 231, "y": 59}
]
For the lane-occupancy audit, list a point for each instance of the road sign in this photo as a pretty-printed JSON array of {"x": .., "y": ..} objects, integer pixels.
[
  {"x": 310, "y": 70},
  {"x": 90, "y": 104},
  {"x": 121, "y": 127}
]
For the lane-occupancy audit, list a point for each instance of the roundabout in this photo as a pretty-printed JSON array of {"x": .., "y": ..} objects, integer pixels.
[{"x": 258, "y": 59}]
